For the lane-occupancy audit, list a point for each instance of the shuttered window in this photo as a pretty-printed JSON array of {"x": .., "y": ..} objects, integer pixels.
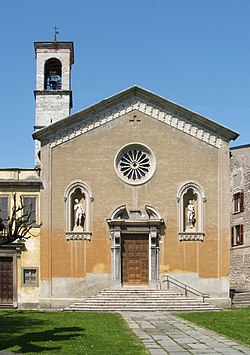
[
  {"x": 4, "y": 208},
  {"x": 238, "y": 201},
  {"x": 237, "y": 235},
  {"x": 29, "y": 203}
]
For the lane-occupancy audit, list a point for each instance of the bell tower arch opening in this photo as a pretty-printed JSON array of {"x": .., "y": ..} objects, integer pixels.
[{"x": 53, "y": 74}]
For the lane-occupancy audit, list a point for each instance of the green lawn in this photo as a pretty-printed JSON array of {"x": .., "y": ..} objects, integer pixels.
[
  {"x": 234, "y": 324},
  {"x": 35, "y": 332}
]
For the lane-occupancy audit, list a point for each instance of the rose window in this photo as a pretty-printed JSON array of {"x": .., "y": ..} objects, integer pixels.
[{"x": 135, "y": 164}]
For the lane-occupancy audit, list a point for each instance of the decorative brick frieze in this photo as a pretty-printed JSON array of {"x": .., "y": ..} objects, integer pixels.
[
  {"x": 99, "y": 119},
  {"x": 78, "y": 236},
  {"x": 191, "y": 237}
]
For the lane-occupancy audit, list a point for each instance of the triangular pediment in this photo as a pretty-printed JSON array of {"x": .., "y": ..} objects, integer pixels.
[{"x": 143, "y": 101}]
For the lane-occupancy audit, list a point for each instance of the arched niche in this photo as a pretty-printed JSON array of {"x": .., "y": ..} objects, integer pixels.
[
  {"x": 191, "y": 200},
  {"x": 78, "y": 198}
]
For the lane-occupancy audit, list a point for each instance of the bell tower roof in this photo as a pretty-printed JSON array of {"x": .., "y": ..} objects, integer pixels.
[{"x": 57, "y": 46}]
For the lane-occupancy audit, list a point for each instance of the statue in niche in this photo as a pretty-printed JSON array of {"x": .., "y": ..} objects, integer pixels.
[
  {"x": 79, "y": 216},
  {"x": 190, "y": 214}
]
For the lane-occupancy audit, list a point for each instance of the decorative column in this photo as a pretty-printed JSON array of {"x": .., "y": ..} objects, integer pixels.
[
  {"x": 153, "y": 261},
  {"x": 116, "y": 256}
]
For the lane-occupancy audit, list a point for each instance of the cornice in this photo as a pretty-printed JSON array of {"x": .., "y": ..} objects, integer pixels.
[
  {"x": 27, "y": 183},
  {"x": 52, "y": 92},
  {"x": 55, "y": 46},
  {"x": 86, "y": 124},
  {"x": 136, "y": 98}
]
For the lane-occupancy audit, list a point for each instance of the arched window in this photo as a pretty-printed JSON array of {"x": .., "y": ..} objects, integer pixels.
[
  {"x": 53, "y": 74},
  {"x": 191, "y": 199},
  {"x": 78, "y": 198}
]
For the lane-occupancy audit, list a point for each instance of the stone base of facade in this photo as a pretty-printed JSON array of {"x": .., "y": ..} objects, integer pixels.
[
  {"x": 28, "y": 305},
  {"x": 220, "y": 302},
  {"x": 57, "y": 303},
  {"x": 189, "y": 283},
  {"x": 61, "y": 303}
]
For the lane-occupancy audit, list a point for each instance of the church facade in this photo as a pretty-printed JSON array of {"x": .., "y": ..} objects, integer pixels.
[{"x": 133, "y": 189}]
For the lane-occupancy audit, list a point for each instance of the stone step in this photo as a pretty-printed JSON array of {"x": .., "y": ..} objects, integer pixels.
[
  {"x": 118, "y": 300},
  {"x": 241, "y": 296},
  {"x": 147, "y": 305},
  {"x": 122, "y": 306},
  {"x": 7, "y": 305},
  {"x": 241, "y": 299},
  {"x": 103, "y": 300},
  {"x": 134, "y": 295},
  {"x": 135, "y": 308},
  {"x": 140, "y": 297},
  {"x": 139, "y": 292},
  {"x": 114, "y": 290},
  {"x": 241, "y": 305}
]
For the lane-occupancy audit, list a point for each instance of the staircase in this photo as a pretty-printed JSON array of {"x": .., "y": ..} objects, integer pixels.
[
  {"x": 241, "y": 299},
  {"x": 142, "y": 299}
]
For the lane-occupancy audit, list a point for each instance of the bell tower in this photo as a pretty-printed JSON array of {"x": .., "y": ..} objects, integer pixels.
[{"x": 53, "y": 93}]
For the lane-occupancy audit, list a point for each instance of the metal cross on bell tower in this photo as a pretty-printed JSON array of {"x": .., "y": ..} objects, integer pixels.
[{"x": 56, "y": 33}]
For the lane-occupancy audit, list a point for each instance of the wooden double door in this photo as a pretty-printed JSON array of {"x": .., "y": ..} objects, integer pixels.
[
  {"x": 6, "y": 279},
  {"x": 135, "y": 258}
]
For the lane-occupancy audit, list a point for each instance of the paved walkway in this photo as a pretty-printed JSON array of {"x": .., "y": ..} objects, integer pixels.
[{"x": 163, "y": 333}]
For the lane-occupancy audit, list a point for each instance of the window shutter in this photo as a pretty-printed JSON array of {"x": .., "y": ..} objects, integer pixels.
[
  {"x": 4, "y": 207},
  {"x": 241, "y": 234},
  {"x": 232, "y": 236},
  {"x": 235, "y": 202},
  {"x": 241, "y": 202},
  {"x": 30, "y": 208}
]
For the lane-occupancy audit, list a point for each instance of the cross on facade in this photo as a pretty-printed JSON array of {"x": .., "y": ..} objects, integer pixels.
[{"x": 134, "y": 119}]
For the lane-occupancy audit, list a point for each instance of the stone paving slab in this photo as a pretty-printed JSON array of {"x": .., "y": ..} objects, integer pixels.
[{"x": 163, "y": 333}]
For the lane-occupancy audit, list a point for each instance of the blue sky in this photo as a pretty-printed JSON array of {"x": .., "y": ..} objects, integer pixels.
[{"x": 193, "y": 52}]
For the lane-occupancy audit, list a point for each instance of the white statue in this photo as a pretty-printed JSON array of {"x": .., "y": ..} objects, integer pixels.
[
  {"x": 79, "y": 213},
  {"x": 190, "y": 214}
]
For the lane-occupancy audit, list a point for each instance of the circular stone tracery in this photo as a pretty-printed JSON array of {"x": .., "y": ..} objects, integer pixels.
[{"x": 135, "y": 164}]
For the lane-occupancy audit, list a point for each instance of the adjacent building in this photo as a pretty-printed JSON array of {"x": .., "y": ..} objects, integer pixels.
[
  {"x": 20, "y": 264},
  {"x": 240, "y": 218}
]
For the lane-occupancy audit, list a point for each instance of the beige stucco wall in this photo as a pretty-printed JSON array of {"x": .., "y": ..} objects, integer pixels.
[{"x": 90, "y": 158}]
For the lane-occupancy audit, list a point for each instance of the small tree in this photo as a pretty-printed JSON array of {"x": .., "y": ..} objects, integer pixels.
[{"x": 17, "y": 227}]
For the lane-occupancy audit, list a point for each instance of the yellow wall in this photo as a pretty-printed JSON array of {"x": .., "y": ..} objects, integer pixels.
[{"x": 30, "y": 254}]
